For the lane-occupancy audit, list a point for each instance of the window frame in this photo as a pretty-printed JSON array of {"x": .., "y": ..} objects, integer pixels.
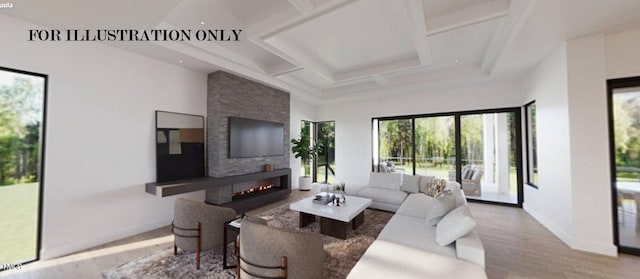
[
  {"x": 531, "y": 149},
  {"x": 375, "y": 127}
]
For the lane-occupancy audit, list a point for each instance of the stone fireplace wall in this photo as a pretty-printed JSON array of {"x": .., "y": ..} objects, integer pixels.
[{"x": 231, "y": 95}]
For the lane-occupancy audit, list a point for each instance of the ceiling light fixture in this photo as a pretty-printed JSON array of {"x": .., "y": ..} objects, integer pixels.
[{"x": 202, "y": 22}]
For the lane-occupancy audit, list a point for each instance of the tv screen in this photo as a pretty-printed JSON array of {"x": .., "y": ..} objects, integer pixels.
[{"x": 255, "y": 138}]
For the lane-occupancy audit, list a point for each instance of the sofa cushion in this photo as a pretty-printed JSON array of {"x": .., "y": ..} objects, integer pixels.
[
  {"x": 424, "y": 180},
  {"x": 414, "y": 232},
  {"x": 385, "y": 180},
  {"x": 383, "y": 195},
  {"x": 415, "y": 205},
  {"x": 385, "y": 259},
  {"x": 410, "y": 183},
  {"x": 438, "y": 207},
  {"x": 454, "y": 225}
]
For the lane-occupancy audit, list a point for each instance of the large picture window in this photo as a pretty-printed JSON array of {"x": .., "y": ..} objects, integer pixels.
[
  {"x": 479, "y": 149},
  {"x": 22, "y": 115},
  {"x": 532, "y": 145}
]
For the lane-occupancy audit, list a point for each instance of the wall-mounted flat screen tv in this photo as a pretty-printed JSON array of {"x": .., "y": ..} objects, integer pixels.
[{"x": 255, "y": 138}]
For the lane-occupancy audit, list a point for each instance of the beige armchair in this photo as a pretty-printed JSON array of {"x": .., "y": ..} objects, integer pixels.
[
  {"x": 261, "y": 245},
  {"x": 471, "y": 179},
  {"x": 198, "y": 226}
]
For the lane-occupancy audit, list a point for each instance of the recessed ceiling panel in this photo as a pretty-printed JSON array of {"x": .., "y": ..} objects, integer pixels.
[
  {"x": 250, "y": 12},
  {"x": 463, "y": 46},
  {"x": 356, "y": 36}
]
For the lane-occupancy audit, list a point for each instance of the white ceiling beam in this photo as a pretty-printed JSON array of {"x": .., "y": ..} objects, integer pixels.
[
  {"x": 468, "y": 16},
  {"x": 288, "y": 54},
  {"x": 381, "y": 80},
  {"x": 282, "y": 68},
  {"x": 415, "y": 14},
  {"x": 217, "y": 49},
  {"x": 231, "y": 66},
  {"x": 506, "y": 32},
  {"x": 379, "y": 69},
  {"x": 304, "y": 6}
]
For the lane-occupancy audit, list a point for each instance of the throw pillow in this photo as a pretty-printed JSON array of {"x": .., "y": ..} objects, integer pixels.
[
  {"x": 456, "y": 191},
  {"x": 410, "y": 183},
  {"x": 469, "y": 174},
  {"x": 438, "y": 207},
  {"x": 465, "y": 172},
  {"x": 453, "y": 226},
  {"x": 435, "y": 186},
  {"x": 424, "y": 180}
]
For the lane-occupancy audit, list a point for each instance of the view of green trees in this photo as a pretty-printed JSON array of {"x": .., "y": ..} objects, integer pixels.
[
  {"x": 20, "y": 123},
  {"x": 435, "y": 143},
  {"x": 627, "y": 135},
  {"x": 21, "y": 103},
  {"x": 326, "y": 136}
]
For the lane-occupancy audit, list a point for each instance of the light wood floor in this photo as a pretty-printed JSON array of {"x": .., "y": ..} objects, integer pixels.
[{"x": 516, "y": 246}]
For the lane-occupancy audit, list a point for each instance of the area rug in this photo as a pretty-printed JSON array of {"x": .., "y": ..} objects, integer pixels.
[{"x": 341, "y": 255}]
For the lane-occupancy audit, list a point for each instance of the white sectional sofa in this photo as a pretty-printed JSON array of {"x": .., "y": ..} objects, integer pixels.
[{"x": 408, "y": 245}]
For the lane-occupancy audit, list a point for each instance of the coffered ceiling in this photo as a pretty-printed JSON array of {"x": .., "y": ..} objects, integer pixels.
[{"x": 333, "y": 49}]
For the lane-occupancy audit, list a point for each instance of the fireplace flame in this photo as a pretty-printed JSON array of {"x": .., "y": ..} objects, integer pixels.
[{"x": 252, "y": 190}]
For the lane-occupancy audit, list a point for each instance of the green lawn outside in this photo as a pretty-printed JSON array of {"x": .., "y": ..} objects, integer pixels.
[{"x": 19, "y": 222}]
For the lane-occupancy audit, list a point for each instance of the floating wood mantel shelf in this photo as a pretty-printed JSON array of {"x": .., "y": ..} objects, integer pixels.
[{"x": 165, "y": 189}]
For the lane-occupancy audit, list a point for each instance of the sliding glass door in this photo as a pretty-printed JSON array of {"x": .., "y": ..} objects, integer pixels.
[
  {"x": 326, "y": 160},
  {"x": 436, "y": 146},
  {"x": 479, "y": 149},
  {"x": 323, "y": 168},
  {"x": 395, "y": 152},
  {"x": 22, "y": 103},
  {"x": 489, "y": 151},
  {"x": 624, "y": 111}
]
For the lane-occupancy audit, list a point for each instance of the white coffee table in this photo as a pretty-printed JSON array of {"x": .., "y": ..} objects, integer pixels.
[{"x": 334, "y": 220}]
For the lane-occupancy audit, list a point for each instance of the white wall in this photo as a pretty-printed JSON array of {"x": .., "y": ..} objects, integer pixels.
[
  {"x": 299, "y": 111},
  {"x": 574, "y": 199},
  {"x": 353, "y": 119},
  {"x": 591, "y": 182},
  {"x": 100, "y": 135},
  {"x": 551, "y": 204},
  {"x": 622, "y": 54}
]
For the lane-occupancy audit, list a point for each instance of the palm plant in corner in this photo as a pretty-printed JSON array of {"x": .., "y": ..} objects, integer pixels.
[{"x": 306, "y": 150}]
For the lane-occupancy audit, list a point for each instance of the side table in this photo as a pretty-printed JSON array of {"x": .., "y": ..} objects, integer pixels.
[{"x": 231, "y": 227}]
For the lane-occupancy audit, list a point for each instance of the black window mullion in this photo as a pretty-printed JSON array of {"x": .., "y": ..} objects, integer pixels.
[
  {"x": 413, "y": 143},
  {"x": 458, "y": 138}
]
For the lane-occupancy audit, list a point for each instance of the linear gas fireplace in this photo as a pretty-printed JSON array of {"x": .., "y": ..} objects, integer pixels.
[
  {"x": 240, "y": 192},
  {"x": 244, "y": 192},
  {"x": 251, "y": 188}
]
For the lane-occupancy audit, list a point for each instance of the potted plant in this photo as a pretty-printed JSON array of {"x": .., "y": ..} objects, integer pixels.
[{"x": 306, "y": 150}]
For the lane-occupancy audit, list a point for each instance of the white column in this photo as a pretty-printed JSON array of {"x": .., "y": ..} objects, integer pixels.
[
  {"x": 489, "y": 146},
  {"x": 502, "y": 151}
]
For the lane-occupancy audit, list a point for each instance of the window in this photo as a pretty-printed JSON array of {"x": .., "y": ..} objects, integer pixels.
[
  {"x": 22, "y": 126},
  {"x": 482, "y": 150},
  {"x": 532, "y": 144},
  {"x": 322, "y": 168}
]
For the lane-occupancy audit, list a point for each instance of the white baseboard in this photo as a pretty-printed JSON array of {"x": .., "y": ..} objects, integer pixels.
[
  {"x": 551, "y": 226},
  {"x": 99, "y": 239},
  {"x": 606, "y": 249}
]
